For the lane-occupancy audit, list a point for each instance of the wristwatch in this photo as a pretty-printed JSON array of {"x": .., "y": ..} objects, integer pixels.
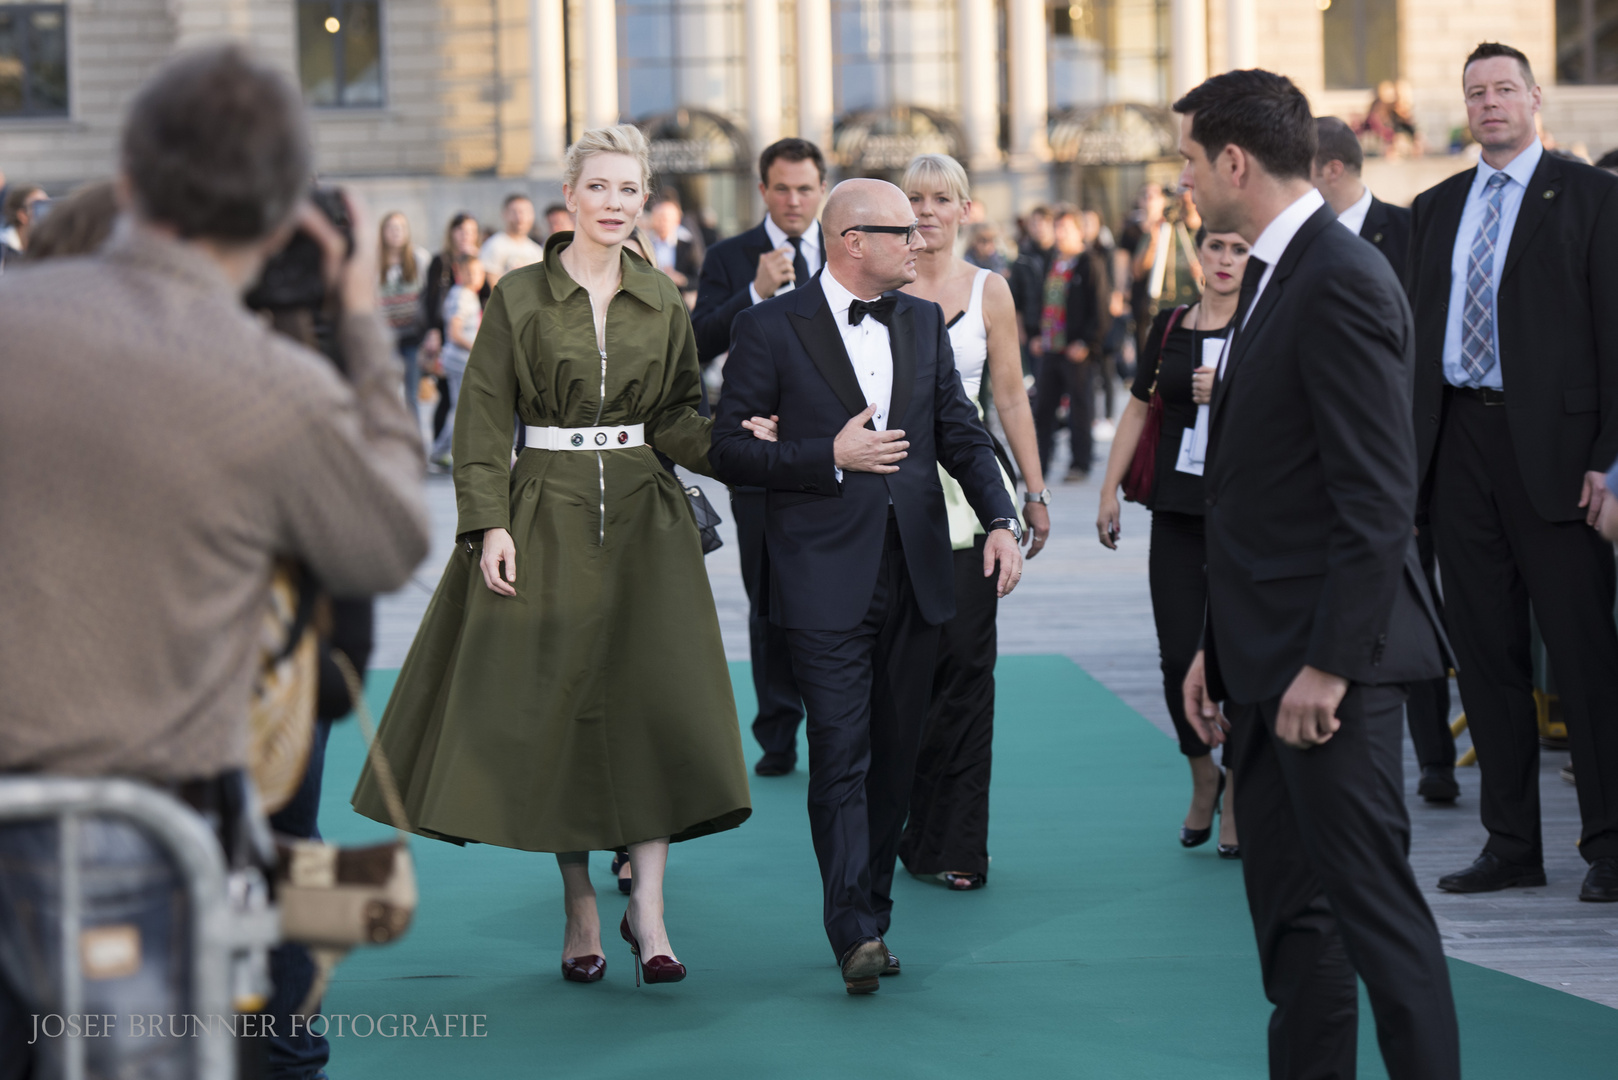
[
  {"x": 1043, "y": 497},
  {"x": 1007, "y": 523}
]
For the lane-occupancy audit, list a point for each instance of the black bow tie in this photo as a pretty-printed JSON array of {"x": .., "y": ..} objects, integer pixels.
[{"x": 880, "y": 309}]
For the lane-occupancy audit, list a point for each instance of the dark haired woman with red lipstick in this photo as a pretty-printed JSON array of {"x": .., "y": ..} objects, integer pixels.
[{"x": 1179, "y": 361}]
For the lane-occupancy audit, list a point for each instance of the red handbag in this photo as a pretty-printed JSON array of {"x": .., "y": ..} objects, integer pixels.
[{"x": 1142, "y": 475}]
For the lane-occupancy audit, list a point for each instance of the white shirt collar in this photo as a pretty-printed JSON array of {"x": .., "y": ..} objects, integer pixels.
[
  {"x": 838, "y": 298},
  {"x": 1272, "y": 242},
  {"x": 1353, "y": 219},
  {"x": 1520, "y": 168},
  {"x": 778, "y": 235}
]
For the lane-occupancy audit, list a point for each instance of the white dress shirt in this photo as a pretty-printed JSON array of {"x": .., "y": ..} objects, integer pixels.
[
  {"x": 1271, "y": 244},
  {"x": 1520, "y": 170},
  {"x": 1353, "y": 219},
  {"x": 869, "y": 348},
  {"x": 813, "y": 256}
]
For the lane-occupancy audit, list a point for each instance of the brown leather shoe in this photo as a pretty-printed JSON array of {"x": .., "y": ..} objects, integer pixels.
[{"x": 862, "y": 965}]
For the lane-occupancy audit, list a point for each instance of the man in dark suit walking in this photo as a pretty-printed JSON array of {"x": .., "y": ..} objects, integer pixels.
[
  {"x": 1514, "y": 283},
  {"x": 1336, "y": 175},
  {"x": 869, "y": 404},
  {"x": 1318, "y": 615},
  {"x": 785, "y": 249}
]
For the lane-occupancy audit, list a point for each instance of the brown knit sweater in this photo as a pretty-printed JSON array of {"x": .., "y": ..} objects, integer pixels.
[{"x": 158, "y": 448}]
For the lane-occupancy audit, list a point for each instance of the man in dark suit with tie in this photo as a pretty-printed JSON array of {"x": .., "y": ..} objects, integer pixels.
[
  {"x": 869, "y": 403},
  {"x": 1514, "y": 282},
  {"x": 785, "y": 249},
  {"x": 1336, "y": 175},
  {"x": 1318, "y": 614}
]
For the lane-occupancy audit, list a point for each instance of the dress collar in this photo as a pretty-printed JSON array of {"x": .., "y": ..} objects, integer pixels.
[{"x": 637, "y": 277}]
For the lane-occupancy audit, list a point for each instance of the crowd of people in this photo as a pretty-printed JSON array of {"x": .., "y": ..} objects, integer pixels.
[{"x": 1371, "y": 439}]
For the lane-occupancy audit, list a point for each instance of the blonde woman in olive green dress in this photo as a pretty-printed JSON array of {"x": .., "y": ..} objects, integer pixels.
[{"x": 567, "y": 690}]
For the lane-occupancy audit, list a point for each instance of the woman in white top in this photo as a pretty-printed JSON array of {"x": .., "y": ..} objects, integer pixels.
[{"x": 947, "y": 834}]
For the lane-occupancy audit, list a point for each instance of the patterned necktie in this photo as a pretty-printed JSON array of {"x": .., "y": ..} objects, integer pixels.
[
  {"x": 1477, "y": 317},
  {"x": 800, "y": 265}
]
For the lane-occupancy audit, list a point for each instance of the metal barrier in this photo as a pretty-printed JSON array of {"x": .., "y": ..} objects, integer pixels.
[{"x": 222, "y": 940}]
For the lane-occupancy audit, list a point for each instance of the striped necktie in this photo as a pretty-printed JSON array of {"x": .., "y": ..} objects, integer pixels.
[{"x": 1477, "y": 317}]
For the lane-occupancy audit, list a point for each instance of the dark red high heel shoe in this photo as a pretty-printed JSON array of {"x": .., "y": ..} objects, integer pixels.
[
  {"x": 584, "y": 969},
  {"x": 659, "y": 969}
]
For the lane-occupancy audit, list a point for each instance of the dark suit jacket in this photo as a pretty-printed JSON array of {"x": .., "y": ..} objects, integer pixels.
[
  {"x": 727, "y": 270},
  {"x": 1311, "y": 481},
  {"x": 1388, "y": 228},
  {"x": 1557, "y": 311},
  {"x": 825, "y": 539}
]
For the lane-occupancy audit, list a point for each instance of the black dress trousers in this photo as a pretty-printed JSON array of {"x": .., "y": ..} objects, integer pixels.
[
  {"x": 948, "y": 828},
  {"x": 1498, "y": 555},
  {"x": 780, "y": 709},
  {"x": 866, "y": 692},
  {"x": 1427, "y": 711},
  {"x": 1325, "y": 846},
  {"x": 1057, "y": 375},
  {"x": 1176, "y": 569}
]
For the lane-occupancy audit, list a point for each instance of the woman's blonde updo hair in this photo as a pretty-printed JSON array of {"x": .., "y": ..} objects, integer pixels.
[
  {"x": 618, "y": 139},
  {"x": 942, "y": 170}
]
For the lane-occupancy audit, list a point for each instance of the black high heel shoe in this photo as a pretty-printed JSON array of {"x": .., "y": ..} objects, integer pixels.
[
  {"x": 659, "y": 969},
  {"x": 618, "y": 862},
  {"x": 1191, "y": 838}
]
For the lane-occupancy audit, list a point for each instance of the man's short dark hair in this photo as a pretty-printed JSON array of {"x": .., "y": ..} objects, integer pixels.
[
  {"x": 556, "y": 208},
  {"x": 1063, "y": 210},
  {"x": 1337, "y": 142},
  {"x": 17, "y": 197},
  {"x": 216, "y": 146},
  {"x": 1609, "y": 160},
  {"x": 1489, "y": 50},
  {"x": 791, "y": 150},
  {"x": 515, "y": 196},
  {"x": 666, "y": 195},
  {"x": 1259, "y": 111}
]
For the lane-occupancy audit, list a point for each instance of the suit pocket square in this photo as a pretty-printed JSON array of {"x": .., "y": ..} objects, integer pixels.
[{"x": 1299, "y": 564}]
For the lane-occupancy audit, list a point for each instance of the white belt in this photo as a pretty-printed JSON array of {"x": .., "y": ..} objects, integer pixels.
[{"x": 623, "y": 437}]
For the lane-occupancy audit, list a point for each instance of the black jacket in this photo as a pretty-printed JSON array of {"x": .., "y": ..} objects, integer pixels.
[
  {"x": 1557, "y": 311},
  {"x": 728, "y": 269},
  {"x": 825, "y": 539},
  {"x": 1388, "y": 228},
  {"x": 1311, "y": 481}
]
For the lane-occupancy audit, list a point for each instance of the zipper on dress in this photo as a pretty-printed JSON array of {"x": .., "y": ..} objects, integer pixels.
[{"x": 601, "y": 404}]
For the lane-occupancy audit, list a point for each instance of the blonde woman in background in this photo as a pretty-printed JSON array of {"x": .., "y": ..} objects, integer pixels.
[
  {"x": 567, "y": 690},
  {"x": 947, "y": 834},
  {"x": 402, "y": 274}
]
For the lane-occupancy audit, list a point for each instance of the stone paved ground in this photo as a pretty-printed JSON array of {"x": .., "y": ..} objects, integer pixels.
[{"x": 1079, "y": 600}]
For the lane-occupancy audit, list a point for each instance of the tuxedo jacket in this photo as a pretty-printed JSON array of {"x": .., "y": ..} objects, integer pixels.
[
  {"x": 824, "y": 539},
  {"x": 1387, "y": 228},
  {"x": 1557, "y": 312},
  {"x": 1311, "y": 481}
]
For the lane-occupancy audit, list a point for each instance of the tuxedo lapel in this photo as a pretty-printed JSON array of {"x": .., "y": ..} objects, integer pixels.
[
  {"x": 1543, "y": 188},
  {"x": 902, "y": 337},
  {"x": 812, "y": 321},
  {"x": 1375, "y": 224}
]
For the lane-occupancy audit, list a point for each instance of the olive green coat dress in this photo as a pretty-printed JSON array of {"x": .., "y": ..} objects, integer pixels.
[{"x": 594, "y": 708}]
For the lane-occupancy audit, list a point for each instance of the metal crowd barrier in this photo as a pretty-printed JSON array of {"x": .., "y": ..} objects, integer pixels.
[{"x": 222, "y": 940}]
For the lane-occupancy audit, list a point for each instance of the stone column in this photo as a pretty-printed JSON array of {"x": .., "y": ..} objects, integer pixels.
[
  {"x": 763, "y": 72},
  {"x": 600, "y": 63},
  {"x": 547, "y": 86},
  {"x": 815, "y": 73},
  {"x": 1241, "y": 34},
  {"x": 1189, "y": 52},
  {"x": 1029, "y": 93},
  {"x": 976, "y": 83}
]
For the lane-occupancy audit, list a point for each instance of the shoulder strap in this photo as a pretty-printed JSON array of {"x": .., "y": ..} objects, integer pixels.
[{"x": 1174, "y": 318}]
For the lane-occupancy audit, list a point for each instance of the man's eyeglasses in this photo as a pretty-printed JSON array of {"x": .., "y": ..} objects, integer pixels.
[{"x": 906, "y": 231}]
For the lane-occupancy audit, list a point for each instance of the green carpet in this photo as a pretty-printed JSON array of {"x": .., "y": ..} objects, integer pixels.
[{"x": 1099, "y": 949}]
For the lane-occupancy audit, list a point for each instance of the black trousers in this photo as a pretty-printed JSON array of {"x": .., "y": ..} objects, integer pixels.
[
  {"x": 1427, "y": 711},
  {"x": 1057, "y": 375},
  {"x": 1177, "y": 572},
  {"x": 866, "y": 692},
  {"x": 948, "y": 827},
  {"x": 1325, "y": 846},
  {"x": 780, "y": 709},
  {"x": 1498, "y": 557}
]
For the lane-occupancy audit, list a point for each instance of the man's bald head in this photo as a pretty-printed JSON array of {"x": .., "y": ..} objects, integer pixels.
[{"x": 867, "y": 263}]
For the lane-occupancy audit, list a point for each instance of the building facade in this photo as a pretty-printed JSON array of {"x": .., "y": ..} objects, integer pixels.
[{"x": 435, "y": 105}]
